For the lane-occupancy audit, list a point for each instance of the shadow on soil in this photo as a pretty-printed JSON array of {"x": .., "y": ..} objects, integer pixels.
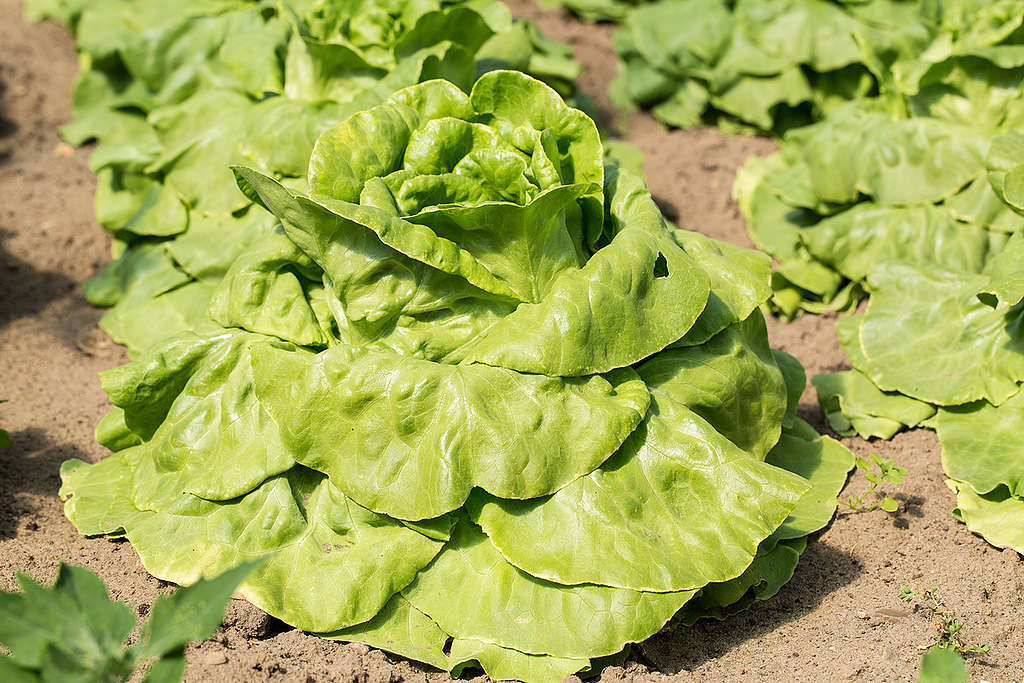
[
  {"x": 30, "y": 466},
  {"x": 668, "y": 209},
  {"x": 25, "y": 290},
  {"x": 7, "y": 127},
  {"x": 822, "y": 570}
]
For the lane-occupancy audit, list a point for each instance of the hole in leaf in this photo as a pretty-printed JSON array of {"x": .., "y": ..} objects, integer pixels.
[{"x": 661, "y": 266}]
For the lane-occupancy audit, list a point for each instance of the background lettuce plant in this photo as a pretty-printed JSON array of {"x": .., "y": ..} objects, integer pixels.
[
  {"x": 761, "y": 65},
  {"x": 473, "y": 400},
  {"x": 175, "y": 93},
  {"x": 917, "y": 210},
  {"x": 756, "y": 65}
]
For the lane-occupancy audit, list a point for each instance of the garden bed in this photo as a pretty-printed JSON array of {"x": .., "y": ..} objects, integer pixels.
[{"x": 838, "y": 619}]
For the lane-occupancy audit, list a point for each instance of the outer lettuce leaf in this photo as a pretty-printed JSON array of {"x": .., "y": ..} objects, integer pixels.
[
  {"x": 145, "y": 389},
  {"x": 772, "y": 568},
  {"x": 916, "y": 311},
  {"x": 518, "y": 611},
  {"x": 411, "y": 438},
  {"x": 775, "y": 226},
  {"x": 136, "y": 203},
  {"x": 139, "y": 322},
  {"x": 995, "y": 516},
  {"x": 1006, "y": 275},
  {"x": 294, "y": 519},
  {"x": 504, "y": 663},
  {"x": 854, "y": 405},
  {"x": 796, "y": 381},
  {"x": 693, "y": 375},
  {"x": 402, "y": 629},
  {"x": 978, "y": 204},
  {"x": 212, "y": 243},
  {"x": 853, "y": 241},
  {"x": 740, "y": 282},
  {"x": 216, "y": 441},
  {"x": 112, "y": 432},
  {"x": 666, "y": 493},
  {"x": 1005, "y": 170},
  {"x": 265, "y": 291},
  {"x": 859, "y": 151},
  {"x": 621, "y": 288},
  {"x": 848, "y": 333},
  {"x": 942, "y": 665},
  {"x": 981, "y": 445},
  {"x": 822, "y": 461},
  {"x": 146, "y": 270},
  {"x": 825, "y": 463}
]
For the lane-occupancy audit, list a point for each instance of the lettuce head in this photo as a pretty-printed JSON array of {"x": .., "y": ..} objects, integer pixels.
[{"x": 472, "y": 399}]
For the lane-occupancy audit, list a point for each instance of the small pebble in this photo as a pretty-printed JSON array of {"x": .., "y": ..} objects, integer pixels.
[{"x": 212, "y": 658}]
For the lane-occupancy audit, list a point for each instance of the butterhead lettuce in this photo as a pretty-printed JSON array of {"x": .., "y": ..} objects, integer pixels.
[{"x": 473, "y": 399}]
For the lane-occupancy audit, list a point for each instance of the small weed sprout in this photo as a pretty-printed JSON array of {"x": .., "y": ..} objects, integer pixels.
[
  {"x": 947, "y": 626},
  {"x": 887, "y": 471}
]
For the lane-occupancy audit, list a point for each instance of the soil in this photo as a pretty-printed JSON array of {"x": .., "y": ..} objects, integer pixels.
[{"x": 837, "y": 620}]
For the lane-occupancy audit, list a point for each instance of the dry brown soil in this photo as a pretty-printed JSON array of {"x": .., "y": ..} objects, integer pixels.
[{"x": 837, "y": 620}]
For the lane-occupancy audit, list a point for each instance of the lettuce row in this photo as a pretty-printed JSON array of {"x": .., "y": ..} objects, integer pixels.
[
  {"x": 469, "y": 346},
  {"x": 913, "y": 197},
  {"x": 756, "y": 65},
  {"x": 174, "y": 94},
  {"x": 865, "y": 186},
  {"x": 933, "y": 236}
]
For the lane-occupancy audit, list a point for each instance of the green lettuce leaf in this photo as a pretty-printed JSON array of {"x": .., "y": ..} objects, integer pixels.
[
  {"x": 294, "y": 519},
  {"x": 916, "y": 311},
  {"x": 692, "y": 375},
  {"x": 415, "y": 436},
  {"x": 980, "y": 446},
  {"x": 825, "y": 464},
  {"x": 995, "y": 515},
  {"x": 516, "y": 610},
  {"x": 942, "y": 665},
  {"x": 660, "y": 492},
  {"x": 854, "y": 405}
]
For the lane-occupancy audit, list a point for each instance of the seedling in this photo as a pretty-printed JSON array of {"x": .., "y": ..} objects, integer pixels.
[
  {"x": 887, "y": 471},
  {"x": 75, "y": 632},
  {"x": 947, "y": 626}
]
